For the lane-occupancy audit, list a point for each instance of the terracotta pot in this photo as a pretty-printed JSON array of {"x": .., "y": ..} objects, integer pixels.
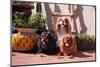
[
  {"x": 26, "y": 30},
  {"x": 25, "y": 40}
]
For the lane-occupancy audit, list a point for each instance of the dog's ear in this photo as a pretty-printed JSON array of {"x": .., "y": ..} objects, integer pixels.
[
  {"x": 38, "y": 32},
  {"x": 66, "y": 20},
  {"x": 63, "y": 39},
  {"x": 71, "y": 39},
  {"x": 57, "y": 24},
  {"x": 68, "y": 27}
]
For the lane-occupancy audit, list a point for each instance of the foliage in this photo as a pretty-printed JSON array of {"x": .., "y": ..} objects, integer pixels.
[
  {"x": 19, "y": 20},
  {"x": 86, "y": 42},
  {"x": 37, "y": 20}
]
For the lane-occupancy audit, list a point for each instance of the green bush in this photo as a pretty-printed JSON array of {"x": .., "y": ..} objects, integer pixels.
[
  {"x": 37, "y": 20},
  {"x": 86, "y": 42},
  {"x": 19, "y": 20}
]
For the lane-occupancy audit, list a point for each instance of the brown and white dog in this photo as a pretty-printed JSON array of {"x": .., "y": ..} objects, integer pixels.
[
  {"x": 68, "y": 46},
  {"x": 63, "y": 30},
  {"x": 62, "y": 27}
]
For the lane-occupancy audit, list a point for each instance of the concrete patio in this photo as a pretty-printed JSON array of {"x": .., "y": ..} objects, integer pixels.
[{"x": 33, "y": 59}]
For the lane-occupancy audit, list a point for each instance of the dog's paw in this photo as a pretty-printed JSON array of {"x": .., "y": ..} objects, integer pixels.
[
  {"x": 42, "y": 55},
  {"x": 60, "y": 57},
  {"x": 71, "y": 56}
]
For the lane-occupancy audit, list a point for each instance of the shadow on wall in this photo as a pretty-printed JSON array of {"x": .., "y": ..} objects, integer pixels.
[
  {"x": 78, "y": 13},
  {"x": 49, "y": 18},
  {"x": 56, "y": 10},
  {"x": 49, "y": 15}
]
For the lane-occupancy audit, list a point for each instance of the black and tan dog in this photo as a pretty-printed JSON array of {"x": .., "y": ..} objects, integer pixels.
[{"x": 47, "y": 44}]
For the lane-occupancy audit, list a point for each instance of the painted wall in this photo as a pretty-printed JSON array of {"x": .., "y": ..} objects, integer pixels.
[{"x": 82, "y": 21}]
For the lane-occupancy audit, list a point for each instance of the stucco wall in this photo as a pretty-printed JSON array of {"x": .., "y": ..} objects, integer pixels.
[{"x": 83, "y": 21}]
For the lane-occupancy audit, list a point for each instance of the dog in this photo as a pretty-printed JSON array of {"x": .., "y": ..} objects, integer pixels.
[
  {"x": 68, "y": 46},
  {"x": 63, "y": 27},
  {"x": 44, "y": 41},
  {"x": 47, "y": 44}
]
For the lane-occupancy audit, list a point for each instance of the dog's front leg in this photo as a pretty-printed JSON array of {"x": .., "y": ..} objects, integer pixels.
[{"x": 61, "y": 53}]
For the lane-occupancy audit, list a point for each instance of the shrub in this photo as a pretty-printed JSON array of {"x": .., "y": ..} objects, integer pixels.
[
  {"x": 37, "y": 20},
  {"x": 19, "y": 20},
  {"x": 86, "y": 42}
]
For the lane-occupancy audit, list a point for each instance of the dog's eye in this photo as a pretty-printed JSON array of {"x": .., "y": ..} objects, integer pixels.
[
  {"x": 69, "y": 40},
  {"x": 65, "y": 41},
  {"x": 45, "y": 38}
]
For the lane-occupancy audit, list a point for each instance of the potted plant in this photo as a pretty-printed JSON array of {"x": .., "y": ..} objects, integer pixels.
[
  {"x": 27, "y": 25},
  {"x": 37, "y": 21}
]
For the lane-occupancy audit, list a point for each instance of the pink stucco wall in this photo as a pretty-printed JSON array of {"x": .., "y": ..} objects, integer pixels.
[{"x": 83, "y": 21}]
